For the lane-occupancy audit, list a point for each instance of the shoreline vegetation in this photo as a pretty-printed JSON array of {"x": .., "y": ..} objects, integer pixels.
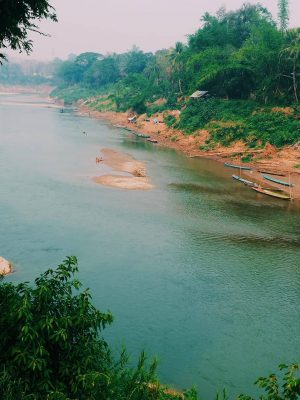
[{"x": 230, "y": 93}]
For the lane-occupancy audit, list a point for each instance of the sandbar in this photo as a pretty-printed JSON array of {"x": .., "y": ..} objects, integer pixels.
[{"x": 136, "y": 178}]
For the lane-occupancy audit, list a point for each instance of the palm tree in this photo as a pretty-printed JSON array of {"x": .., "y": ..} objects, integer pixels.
[
  {"x": 175, "y": 57},
  {"x": 293, "y": 53}
]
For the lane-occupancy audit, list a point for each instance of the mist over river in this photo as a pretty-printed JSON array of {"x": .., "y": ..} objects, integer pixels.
[{"x": 200, "y": 271}]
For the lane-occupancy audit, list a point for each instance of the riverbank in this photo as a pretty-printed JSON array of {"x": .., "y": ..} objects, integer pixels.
[
  {"x": 131, "y": 174},
  {"x": 278, "y": 161}
]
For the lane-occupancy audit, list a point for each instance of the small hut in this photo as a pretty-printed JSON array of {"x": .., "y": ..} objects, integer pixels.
[{"x": 200, "y": 94}]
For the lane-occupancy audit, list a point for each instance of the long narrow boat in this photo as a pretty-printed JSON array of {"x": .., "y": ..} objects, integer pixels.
[
  {"x": 151, "y": 140},
  {"x": 272, "y": 192},
  {"x": 271, "y": 172},
  {"x": 269, "y": 178},
  {"x": 237, "y": 166},
  {"x": 245, "y": 181},
  {"x": 142, "y": 135}
]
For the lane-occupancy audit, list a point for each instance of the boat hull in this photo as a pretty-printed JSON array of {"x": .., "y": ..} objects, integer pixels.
[
  {"x": 278, "y": 194},
  {"x": 269, "y": 178},
  {"x": 237, "y": 166},
  {"x": 244, "y": 181}
]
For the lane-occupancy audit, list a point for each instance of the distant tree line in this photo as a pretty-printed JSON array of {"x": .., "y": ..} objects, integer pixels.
[
  {"x": 239, "y": 54},
  {"x": 28, "y": 72}
]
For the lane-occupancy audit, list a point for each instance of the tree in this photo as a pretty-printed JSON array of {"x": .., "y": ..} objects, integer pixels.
[
  {"x": 137, "y": 61},
  {"x": 49, "y": 335},
  {"x": 103, "y": 72},
  {"x": 51, "y": 347},
  {"x": 175, "y": 56},
  {"x": 292, "y": 50},
  {"x": 17, "y": 19},
  {"x": 283, "y": 14},
  {"x": 260, "y": 54}
]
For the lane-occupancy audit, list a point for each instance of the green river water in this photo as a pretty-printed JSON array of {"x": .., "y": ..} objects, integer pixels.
[{"x": 201, "y": 271}]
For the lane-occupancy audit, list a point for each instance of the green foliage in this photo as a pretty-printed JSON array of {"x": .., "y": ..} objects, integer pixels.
[
  {"x": 17, "y": 18},
  {"x": 197, "y": 114},
  {"x": 283, "y": 14},
  {"x": 274, "y": 127},
  {"x": 247, "y": 158},
  {"x": 136, "y": 61},
  {"x": 51, "y": 345},
  {"x": 229, "y": 121},
  {"x": 102, "y": 72},
  {"x": 169, "y": 120},
  {"x": 226, "y": 132},
  {"x": 286, "y": 387},
  {"x": 132, "y": 93},
  {"x": 49, "y": 336}
]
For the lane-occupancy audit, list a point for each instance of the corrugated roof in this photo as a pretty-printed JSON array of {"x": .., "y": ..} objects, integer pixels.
[{"x": 198, "y": 94}]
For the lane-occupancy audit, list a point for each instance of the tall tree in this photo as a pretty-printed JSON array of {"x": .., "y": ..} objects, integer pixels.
[
  {"x": 292, "y": 50},
  {"x": 177, "y": 62},
  {"x": 17, "y": 19},
  {"x": 283, "y": 14}
]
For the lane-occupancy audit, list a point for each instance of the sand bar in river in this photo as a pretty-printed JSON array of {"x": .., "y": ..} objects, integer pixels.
[{"x": 135, "y": 178}]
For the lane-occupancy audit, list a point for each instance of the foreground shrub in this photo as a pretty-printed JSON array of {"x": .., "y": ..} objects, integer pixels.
[{"x": 51, "y": 349}]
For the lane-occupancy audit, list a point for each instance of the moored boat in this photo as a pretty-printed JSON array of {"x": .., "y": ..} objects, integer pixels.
[
  {"x": 244, "y": 181},
  {"x": 269, "y": 178},
  {"x": 142, "y": 135},
  {"x": 237, "y": 166},
  {"x": 151, "y": 140},
  {"x": 278, "y": 193}
]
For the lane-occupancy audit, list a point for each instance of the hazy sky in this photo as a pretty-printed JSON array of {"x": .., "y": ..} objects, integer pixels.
[{"x": 115, "y": 25}]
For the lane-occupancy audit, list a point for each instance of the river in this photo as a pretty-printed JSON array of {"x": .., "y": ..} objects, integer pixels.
[{"x": 200, "y": 271}]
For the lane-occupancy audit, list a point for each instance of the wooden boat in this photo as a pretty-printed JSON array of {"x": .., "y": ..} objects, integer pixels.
[
  {"x": 237, "y": 166},
  {"x": 244, "y": 181},
  {"x": 269, "y": 178},
  {"x": 271, "y": 173},
  {"x": 141, "y": 135},
  {"x": 280, "y": 194},
  {"x": 151, "y": 140}
]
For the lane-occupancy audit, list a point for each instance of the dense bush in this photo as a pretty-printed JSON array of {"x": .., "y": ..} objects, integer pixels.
[
  {"x": 229, "y": 121},
  {"x": 197, "y": 114},
  {"x": 274, "y": 127},
  {"x": 169, "y": 120}
]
